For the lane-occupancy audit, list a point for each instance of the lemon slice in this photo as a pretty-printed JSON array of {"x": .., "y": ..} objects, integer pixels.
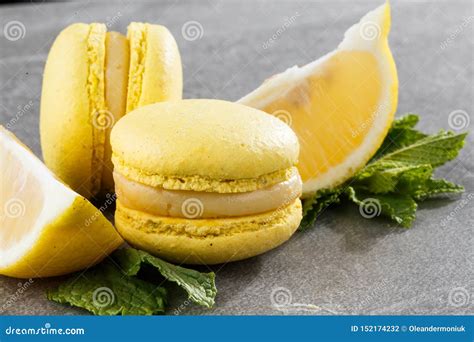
[
  {"x": 340, "y": 106},
  {"x": 46, "y": 229}
]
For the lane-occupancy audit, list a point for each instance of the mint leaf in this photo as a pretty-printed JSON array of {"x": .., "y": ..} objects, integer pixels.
[
  {"x": 105, "y": 290},
  {"x": 433, "y": 187},
  {"x": 408, "y": 121},
  {"x": 385, "y": 177},
  {"x": 399, "y": 175},
  {"x": 113, "y": 287},
  {"x": 398, "y": 207},
  {"x": 200, "y": 287},
  {"x": 434, "y": 150},
  {"x": 401, "y": 134}
]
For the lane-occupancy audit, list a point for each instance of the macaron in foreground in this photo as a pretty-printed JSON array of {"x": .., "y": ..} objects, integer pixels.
[
  {"x": 91, "y": 79},
  {"x": 205, "y": 181}
]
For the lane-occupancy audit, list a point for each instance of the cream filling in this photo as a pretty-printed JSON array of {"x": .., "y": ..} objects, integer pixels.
[
  {"x": 197, "y": 204},
  {"x": 117, "y": 61}
]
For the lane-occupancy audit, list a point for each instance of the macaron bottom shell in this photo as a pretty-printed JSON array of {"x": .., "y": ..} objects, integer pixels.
[{"x": 208, "y": 241}]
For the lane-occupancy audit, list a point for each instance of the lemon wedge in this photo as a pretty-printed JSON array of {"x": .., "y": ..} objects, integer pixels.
[
  {"x": 340, "y": 106},
  {"x": 46, "y": 229}
]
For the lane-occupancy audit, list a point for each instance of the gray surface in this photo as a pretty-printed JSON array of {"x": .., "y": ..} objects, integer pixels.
[{"x": 347, "y": 264}]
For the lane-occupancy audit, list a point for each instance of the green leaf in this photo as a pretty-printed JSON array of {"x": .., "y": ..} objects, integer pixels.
[
  {"x": 434, "y": 150},
  {"x": 400, "y": 173},
  {"x": 314, "y": 205},
  {"x": 200, "y": 287},
  {"x": 113, "y": 287},
  {"x": 387, "y": 177},
  {"x": 400, "y": 208},
  {"x": 410, "y": 120},
  {"x": 105, "y": 290},
  {"x": 434, "y": 187},
  {"x": 401, "y": 134}
]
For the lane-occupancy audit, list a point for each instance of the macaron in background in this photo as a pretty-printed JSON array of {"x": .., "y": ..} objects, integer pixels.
[
  {"x": 91, "y": 79},
  {"x": 205, "y": 181}
]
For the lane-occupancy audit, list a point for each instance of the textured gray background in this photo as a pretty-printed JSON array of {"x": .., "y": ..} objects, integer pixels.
[{"x": 346, "y": 264}]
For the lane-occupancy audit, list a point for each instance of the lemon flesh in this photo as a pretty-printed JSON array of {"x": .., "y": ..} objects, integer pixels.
[
  {"x": 46, "y": 229},
  {"x": 340, "y": 106}
]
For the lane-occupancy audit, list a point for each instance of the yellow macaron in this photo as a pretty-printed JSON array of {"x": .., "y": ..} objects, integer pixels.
[
  {"x": 91, "y": 79},
  {"x": 205, "y": 181}
]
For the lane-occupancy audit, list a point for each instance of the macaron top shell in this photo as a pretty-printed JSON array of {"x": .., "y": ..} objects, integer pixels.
[
  {"x": 196, "y": 141},
  {"x": 66, "y": 126},
  {"x": 155, "y": 66}
]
